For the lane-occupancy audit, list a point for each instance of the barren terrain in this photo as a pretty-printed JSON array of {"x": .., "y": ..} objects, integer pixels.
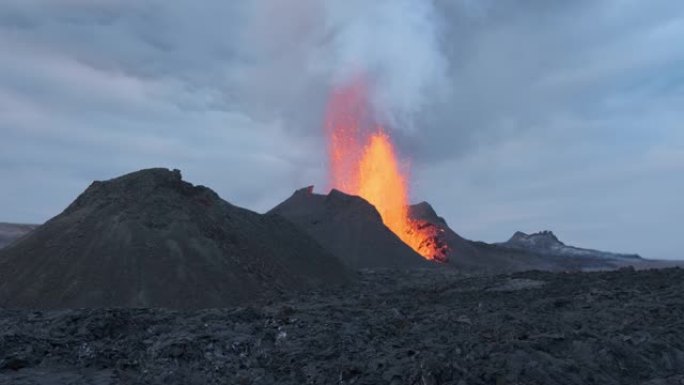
[{"x": 421, "y": 327}]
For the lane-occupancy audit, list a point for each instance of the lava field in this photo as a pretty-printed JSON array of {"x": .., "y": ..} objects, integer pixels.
[{"x": 424, "y": 327}]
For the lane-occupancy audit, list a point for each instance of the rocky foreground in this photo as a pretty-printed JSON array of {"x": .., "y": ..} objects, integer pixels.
[{"x": 423, "y": 327}]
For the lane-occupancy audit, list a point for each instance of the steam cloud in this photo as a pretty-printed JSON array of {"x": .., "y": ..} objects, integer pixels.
[{"x": 394, "y": 44}]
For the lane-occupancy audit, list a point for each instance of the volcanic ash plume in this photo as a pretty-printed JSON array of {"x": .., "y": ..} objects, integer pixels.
[
  {"x": 363, "y": 162},
  {"x": 385, "y": 57},
  {"x": 296, "y": 49},
  {"x": 395, "y": 43},
  {"x": 384, "y": 62}
]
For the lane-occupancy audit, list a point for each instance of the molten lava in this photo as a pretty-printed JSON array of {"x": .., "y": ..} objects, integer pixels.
[{"x": 363, "y": 162}]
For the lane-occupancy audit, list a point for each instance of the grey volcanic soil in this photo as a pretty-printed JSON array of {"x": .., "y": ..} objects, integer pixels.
[{"x": 422, "y": 327}]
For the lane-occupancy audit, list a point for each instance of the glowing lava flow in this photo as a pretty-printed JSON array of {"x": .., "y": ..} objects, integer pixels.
[{"x": 363, "y": 162}]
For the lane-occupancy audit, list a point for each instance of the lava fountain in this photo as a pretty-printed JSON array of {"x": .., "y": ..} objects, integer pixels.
[{"x": 363, "y": 162}]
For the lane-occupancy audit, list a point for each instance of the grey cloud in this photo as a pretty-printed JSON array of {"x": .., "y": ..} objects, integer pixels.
[
  {"x": 515, "y": 115},
  {"x": 515, "y": 70}
]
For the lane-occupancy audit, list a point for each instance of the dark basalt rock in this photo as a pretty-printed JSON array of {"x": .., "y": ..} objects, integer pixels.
[{"x": 429, "y": 326}]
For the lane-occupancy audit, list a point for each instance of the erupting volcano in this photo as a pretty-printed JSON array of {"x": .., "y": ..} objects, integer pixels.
[{"x": 363, "y": 162}]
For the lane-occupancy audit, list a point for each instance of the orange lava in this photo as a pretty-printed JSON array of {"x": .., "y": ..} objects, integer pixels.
[{"x": 363, "y": 162}]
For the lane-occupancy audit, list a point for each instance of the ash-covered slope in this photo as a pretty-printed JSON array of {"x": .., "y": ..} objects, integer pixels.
[
  {"x": 149, "y": 239},
  {"x": 350, "y": 228},
  {"x": 546, "y": 242},
  {"x": 10, "y": 232},
  {"x": 480, "y": 257}
]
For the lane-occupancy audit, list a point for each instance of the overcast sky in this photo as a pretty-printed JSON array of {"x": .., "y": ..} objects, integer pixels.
[{"x": 514, "y": 115}]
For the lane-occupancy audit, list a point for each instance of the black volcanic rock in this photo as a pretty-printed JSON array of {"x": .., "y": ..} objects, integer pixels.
[
  {"x": 546, "y": 242},
  {"x": 350, "y": 228},
  {"x": 421, "y": 327},
  {"x": 149, "y": 239},
  {"x": 10, "y": 232}
]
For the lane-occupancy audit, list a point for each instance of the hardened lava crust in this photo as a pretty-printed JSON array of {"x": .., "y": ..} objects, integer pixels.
[{"x": 392, "y": 327}]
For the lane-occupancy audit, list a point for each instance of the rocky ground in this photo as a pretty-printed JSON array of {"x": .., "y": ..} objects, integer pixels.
[{"x": 421, "y": 327}]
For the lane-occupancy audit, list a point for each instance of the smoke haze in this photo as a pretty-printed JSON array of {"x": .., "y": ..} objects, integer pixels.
[{"x": 312, "y": 46}]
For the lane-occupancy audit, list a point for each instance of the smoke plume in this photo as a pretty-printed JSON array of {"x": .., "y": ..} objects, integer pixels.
[{"x": 313, "y": 46}]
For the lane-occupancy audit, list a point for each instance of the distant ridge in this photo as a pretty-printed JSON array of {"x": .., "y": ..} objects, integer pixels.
[
  {"x": 546, "y": 242},
  {"x": 10, "y": 232}
]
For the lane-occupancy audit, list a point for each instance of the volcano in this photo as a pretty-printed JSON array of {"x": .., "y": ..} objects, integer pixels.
[
  {"x": 150, "y": 239},
  {"x": 363, "y": 161},
  {"x": 350, "y": 228}
]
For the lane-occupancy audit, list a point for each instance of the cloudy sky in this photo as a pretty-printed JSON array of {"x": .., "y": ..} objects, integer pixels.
[{"x": 513, "y": 114}]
